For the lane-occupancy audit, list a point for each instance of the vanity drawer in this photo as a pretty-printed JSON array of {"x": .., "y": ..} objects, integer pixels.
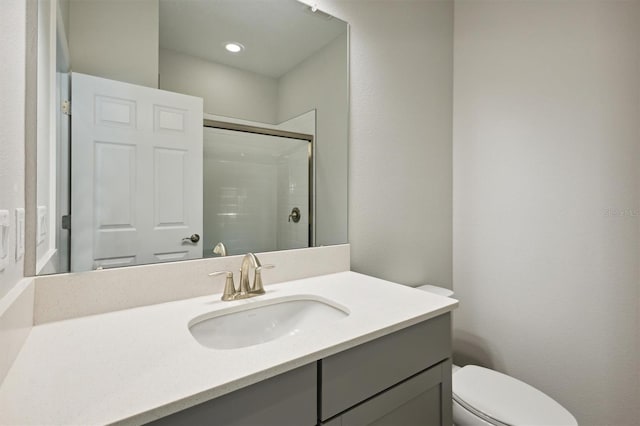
[
  {"x": 352, "y": 376},
  {"x": 285, "y": 400},
  {"x": 414, "y": 402}
]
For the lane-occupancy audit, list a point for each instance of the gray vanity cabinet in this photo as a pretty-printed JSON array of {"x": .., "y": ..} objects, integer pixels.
[
  {"x": 418, "y": 401},
  {"x": 401, "y": 379}
]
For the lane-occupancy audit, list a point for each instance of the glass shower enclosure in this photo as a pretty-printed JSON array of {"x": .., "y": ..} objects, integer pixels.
[{"x": 258, "y": 186}]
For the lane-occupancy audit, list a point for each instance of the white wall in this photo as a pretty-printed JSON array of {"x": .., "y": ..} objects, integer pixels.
[
  {"x": 400, "y": 138},
  {"x": 226, "y": 90},
  {"x": 321, "y": 83},
  {"x": 115, "y": 39},
  {"x": 12, "y": 107},
  {"x": 546, "y": 198},
  {"x": 304, "y": 123}
]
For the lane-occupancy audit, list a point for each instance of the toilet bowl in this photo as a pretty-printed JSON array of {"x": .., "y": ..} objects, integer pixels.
[{"x": 486, "y": 397}]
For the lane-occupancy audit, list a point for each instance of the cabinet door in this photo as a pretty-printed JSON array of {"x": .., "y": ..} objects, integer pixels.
[
  {"x": 289, "y": 399},
  {"x": 419, "y": 401}
]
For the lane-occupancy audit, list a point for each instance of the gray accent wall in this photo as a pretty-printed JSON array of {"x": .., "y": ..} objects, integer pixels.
[{"x": 546, "y": 201}]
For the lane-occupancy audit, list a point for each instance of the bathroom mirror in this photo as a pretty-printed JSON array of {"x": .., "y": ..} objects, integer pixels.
[{"x": 258, "y": 87}]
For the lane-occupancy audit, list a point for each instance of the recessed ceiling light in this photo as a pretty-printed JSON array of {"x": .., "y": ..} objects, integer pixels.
[{"x": 234, "y": 47}]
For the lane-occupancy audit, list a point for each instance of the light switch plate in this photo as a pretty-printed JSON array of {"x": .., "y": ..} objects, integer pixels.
[
  {"x": 19, "y": 233},
  {"x": 5, "y": 227},
  {"x": 42, "y": 224}
]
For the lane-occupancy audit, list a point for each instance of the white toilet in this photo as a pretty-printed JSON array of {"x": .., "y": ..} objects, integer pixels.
[{"x": 486, "y": 397}]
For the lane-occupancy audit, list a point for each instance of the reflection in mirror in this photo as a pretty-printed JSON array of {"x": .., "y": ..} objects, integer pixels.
[
  {"x": 167, "y": 127},
  {"x": 253, "y": 181}
]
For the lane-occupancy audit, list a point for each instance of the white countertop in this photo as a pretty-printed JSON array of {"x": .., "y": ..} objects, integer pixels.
[{"x": 137, "y": 365}]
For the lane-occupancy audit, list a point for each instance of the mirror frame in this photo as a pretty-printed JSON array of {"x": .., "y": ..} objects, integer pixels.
[{"x": 31, "y": 137}]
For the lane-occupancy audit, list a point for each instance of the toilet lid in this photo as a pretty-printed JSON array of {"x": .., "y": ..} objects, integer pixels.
[{"x": 496, "y": 396}]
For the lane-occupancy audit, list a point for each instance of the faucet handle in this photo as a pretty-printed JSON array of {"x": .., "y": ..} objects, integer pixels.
[
  {"x": 229, "y": 292},
  {"x": 258, "y": 288}
]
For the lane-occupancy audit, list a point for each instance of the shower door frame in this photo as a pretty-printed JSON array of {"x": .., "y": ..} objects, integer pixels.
[{"x": 224, "y": 125}]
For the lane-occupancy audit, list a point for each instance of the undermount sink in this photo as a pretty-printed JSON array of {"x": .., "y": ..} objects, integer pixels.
[{"x": 263, "y": 321}]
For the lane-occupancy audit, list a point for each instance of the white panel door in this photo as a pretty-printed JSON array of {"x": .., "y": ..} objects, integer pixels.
[{"x": 136, "y": 174}]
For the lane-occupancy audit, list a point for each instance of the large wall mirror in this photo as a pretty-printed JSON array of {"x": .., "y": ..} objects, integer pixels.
[{"x": 179, "y": 129}]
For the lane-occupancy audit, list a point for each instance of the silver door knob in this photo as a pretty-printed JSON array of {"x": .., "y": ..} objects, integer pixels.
[{"x": 194, "y": 238}]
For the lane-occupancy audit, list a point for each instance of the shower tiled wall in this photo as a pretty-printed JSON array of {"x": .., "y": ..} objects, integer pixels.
[{"x": 239, "y": 206}]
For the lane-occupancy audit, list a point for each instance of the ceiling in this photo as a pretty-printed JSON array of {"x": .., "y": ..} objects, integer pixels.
[{"x": 277, "y": 34}]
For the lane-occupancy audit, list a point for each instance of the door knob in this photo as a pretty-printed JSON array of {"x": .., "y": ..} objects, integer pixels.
[{"x": 194, "y": 238}]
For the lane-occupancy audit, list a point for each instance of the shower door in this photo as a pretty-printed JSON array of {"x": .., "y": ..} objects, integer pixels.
[{"x": 253, "y": 185}]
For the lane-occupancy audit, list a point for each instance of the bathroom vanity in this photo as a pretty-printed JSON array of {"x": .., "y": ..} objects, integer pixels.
[
  {"x": 403, "y": 378},
  {"x": 388, "y": 358}
]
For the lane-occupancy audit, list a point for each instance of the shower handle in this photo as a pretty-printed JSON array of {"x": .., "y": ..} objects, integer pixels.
[{"x": 295, "y": 215}]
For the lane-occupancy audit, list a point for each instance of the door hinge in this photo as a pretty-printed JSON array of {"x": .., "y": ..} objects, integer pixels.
[
  {"x": 66, "y": 107},
  {"x": 66, "y": 222}
]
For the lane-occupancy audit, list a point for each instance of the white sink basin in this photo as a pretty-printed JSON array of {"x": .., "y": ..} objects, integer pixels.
[{"x": 256, "y": 323}]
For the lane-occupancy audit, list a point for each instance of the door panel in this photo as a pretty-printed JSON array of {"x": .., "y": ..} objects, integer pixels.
[
  {"x": 136, "y": 174},
  {"x": 115, "y": 184},
  {"x": 169, "y": 188}
]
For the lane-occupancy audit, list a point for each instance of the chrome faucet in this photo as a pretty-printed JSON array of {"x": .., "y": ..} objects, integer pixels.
[{"x": 245, "y": 291}]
